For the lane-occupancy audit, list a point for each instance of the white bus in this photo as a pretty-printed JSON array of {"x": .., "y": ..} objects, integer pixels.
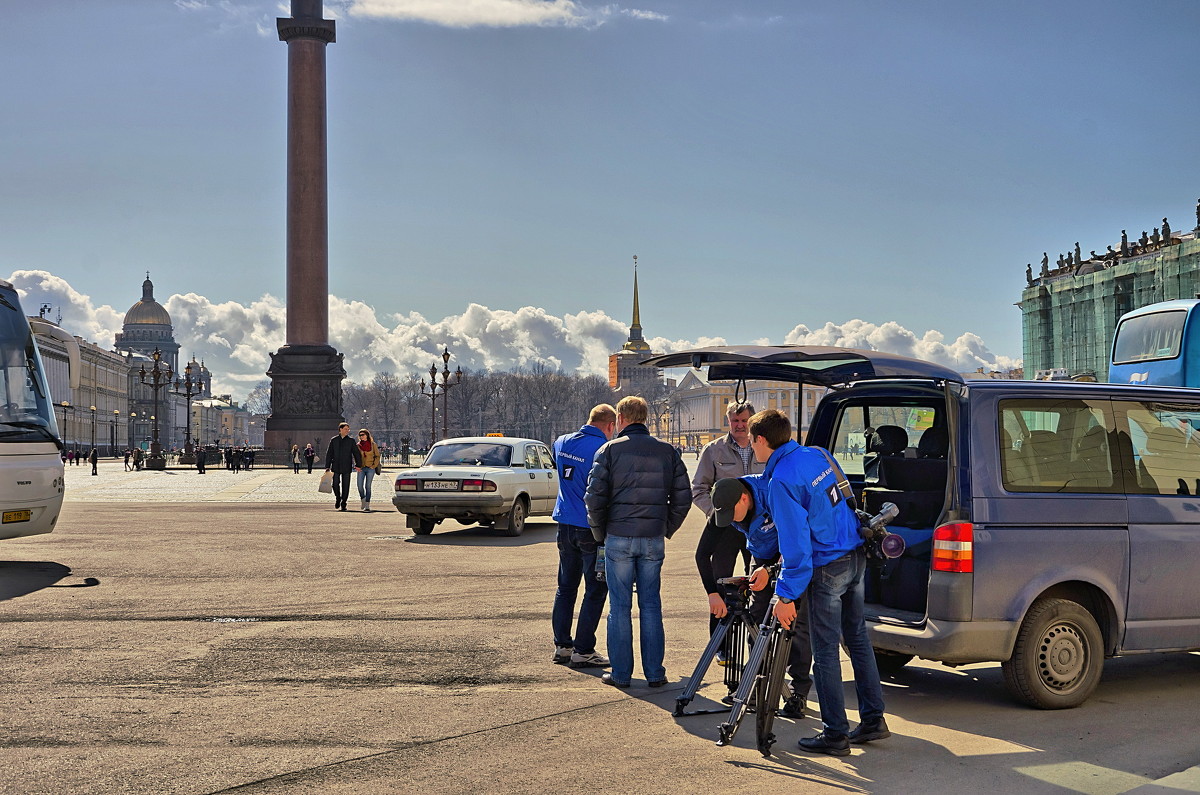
[{"x": 31, "y": 465}]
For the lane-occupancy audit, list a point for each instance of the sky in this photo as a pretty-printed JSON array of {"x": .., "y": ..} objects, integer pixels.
[{"x": 856, "y": 172}]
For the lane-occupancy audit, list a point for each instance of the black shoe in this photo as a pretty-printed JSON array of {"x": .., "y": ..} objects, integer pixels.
[
  {"x": 608, "y": 680},
  {"x": 793, "y": 707},
  {"x": 824, "y": 743},
  {"x": 343, "y": 507},
  {"x": 658, "y": 683},
  {"x": 866, "y": 732}
]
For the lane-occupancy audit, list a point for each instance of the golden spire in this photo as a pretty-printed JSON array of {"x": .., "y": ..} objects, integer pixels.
[{"x": 635, "y": 341}]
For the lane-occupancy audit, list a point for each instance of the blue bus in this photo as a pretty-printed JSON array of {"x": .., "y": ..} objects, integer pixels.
[{"x": 1158, "y": 344}]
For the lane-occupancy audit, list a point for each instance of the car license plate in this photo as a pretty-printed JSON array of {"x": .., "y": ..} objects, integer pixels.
[
  {"x": 441, "y": 485},
  {"x": 17, "y": 516}
]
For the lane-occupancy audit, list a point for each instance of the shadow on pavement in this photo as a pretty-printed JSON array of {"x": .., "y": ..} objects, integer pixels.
[
  {"x": 478, "y": 536},
  {"x": 18, "y": 578}
]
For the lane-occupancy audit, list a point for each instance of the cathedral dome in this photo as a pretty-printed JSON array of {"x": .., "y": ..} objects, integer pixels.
[{"x": 147, "y": 311}]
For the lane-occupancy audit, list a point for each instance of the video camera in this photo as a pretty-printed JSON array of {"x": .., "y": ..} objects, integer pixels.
[{"x": 880, "y": 544}]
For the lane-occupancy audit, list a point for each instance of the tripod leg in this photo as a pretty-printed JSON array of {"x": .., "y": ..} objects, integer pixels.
[
  {"x": 706, "y": 658},
  {"x": 750, "y": 676},
  {"x": 771, "y": 688}
]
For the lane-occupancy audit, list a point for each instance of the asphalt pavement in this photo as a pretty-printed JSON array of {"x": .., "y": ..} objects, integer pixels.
[{"x": 220, "y": 633}]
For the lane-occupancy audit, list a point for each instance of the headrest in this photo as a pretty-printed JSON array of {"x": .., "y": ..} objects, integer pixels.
[
  {"x": 933, "y": 443},
  {"x": 1095, "y": 441},
  {"x": 888, "y": 440}
]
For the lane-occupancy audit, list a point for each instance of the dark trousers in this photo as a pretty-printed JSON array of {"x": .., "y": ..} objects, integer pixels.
[
  {"x": 801, "y": 657},
  {"x": 576, "y": 561},
  {"x": 341, "y": 488}
]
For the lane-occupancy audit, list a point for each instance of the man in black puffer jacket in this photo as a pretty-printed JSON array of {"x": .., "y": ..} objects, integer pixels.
[{"x": 637, "y": 497}]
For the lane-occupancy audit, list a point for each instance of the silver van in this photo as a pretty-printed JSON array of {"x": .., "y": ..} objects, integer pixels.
[{"x": 1048, "y": 524}]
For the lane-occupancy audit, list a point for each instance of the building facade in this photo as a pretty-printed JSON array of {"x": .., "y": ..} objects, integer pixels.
[
  {"x": 1069, "y": 313},
  {"x": 697, "y": 406}
]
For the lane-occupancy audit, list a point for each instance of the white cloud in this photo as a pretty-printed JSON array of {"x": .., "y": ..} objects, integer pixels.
[
  {"x": 473, "y": 13},
  {"x": 496, "y": 13},
  {"x": 965, "y": 354},
  {"x": 236, "y": 340}
]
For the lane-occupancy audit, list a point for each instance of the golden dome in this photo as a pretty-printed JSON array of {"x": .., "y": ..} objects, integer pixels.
[{"x": 147, "y": 311}]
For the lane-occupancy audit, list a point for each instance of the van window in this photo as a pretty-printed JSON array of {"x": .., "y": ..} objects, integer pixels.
[
  {"x": 910, "y": 433},
  {"x": 1164, "y": 442},
  {"x": 1057, "y": 446}
]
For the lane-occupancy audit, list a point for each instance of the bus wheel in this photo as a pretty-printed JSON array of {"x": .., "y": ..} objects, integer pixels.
[{"x": 1058, "y": 656}]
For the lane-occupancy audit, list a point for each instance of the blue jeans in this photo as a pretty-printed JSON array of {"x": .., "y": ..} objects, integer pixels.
[
  {"x": 835, "y": 613},
  {"x": 628, "y": 561},
  {"x": 576, "y": 560},
  {"x": 365, "y": 476}
]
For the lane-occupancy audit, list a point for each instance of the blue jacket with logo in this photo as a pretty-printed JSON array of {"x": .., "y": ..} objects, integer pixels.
[
  {"x": 815, "y": 524},
  {"x": 573, "y": 457},
  {"x": 761, "y": 538}
]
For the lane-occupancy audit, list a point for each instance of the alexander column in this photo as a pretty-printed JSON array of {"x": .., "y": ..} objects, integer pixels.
[{"x": 306, "y": 373}]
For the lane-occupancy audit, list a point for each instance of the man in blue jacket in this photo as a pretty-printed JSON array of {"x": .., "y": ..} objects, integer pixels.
[
  {"x": 573, "y": 456},
  {"x": 637, "y": 497},
  {"x": 822, "y": 552}
]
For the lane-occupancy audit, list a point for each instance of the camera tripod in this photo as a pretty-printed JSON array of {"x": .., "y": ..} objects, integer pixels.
[
  {"x": 731, "y": 634},
  {"x": 761, "y": 681}
]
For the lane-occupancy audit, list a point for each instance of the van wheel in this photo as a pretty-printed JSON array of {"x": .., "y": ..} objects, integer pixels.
[
  {"x": 1058, "y": 656},
  {"x": 516, "y": 519},
  {"x": 425, "y": 528},
  {"x": 890, "y": 662}
]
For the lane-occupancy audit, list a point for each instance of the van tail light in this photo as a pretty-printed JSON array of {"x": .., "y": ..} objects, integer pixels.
[
  {"x": 952, "y": 548},
  {"x": 478, "y": 485},
  {"x": 406, "y": 484}
]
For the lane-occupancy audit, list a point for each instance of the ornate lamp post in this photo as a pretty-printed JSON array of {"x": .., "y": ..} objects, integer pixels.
[
  {"x": 189, "y": 389},
  {"x": 112, "y": 438},
  {"x": 159, "y": 378},
  {"x": 93, "y": 410},
  {"x": 445, "y": 385}
]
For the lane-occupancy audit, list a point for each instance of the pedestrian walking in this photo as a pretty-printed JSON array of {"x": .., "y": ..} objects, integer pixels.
[
  {"x": 127, "y": 467},
  {"x": 94, "y": 459},
  {"x": 309, "y": 455},
  {"x": 369, "y": 467},
  {"x": 296, "y": 457},
  {"x": 341, "y": 458},
  {"x": 200, "y": 458}
]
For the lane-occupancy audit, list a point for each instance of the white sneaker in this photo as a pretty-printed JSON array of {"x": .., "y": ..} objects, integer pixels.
[
  {"x": 366, "y": 506},
  {"x": 593, "y": 660},
  {"x": 562, "y": 655}
]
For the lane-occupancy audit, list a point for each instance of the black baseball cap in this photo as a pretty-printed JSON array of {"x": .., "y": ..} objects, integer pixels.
[{"x": 725, "y": 495}]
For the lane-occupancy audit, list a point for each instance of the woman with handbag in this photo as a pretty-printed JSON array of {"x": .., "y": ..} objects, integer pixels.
[
  {"x": 295, "y": 459},
  {"x": 370, "y": 467}
]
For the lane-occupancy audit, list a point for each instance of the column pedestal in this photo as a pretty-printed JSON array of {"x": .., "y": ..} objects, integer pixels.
[{"x": 306, "y": 397}]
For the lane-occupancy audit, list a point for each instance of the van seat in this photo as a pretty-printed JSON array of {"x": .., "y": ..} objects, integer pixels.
[
  {"x": 1167, "y": 462},
  {"x": 884, "y": 442}
]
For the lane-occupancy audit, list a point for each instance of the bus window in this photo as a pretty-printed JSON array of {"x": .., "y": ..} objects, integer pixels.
[{"x": 1148, "y": 337}]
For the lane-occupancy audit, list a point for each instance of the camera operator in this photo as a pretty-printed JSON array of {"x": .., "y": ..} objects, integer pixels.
[
  {"x": 823, "y": 553},
  {"x": 728, "y": 456},
  {"x": 740, "y": 504}
]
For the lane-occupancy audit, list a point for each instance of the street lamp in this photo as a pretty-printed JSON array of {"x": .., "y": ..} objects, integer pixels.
[
  {"x": 445, "y": 384},
  {"x": 112, "y": 437},
  {"x": 93, "y": 410},
  {"x": 188, "y": 388},
  {"x": 159, "y": 378}
]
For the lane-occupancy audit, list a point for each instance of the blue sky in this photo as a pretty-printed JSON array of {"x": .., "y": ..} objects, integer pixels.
[{"x": 858, "y": 172}]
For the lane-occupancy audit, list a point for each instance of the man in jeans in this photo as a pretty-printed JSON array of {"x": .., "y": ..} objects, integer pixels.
[
  {"x": 573, "y": 456},
  {"x": 637, "y": 496},
  {"x": 820, "y": 543}
]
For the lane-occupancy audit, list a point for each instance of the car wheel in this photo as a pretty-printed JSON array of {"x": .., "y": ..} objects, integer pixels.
[
  {"x": 1058, "y": 656},
  {"x": 516, "y": 519},
  {"x": 425, "y": 528},
  {"x": 890, "y": 662}
]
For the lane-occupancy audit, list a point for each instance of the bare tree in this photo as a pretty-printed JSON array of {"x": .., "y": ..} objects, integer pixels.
[{"x": 259, "y": 399}]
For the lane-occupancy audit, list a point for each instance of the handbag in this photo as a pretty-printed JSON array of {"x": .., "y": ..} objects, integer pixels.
[{"x": 326, "y": 484}]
